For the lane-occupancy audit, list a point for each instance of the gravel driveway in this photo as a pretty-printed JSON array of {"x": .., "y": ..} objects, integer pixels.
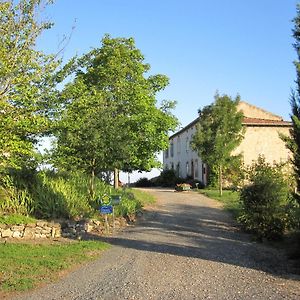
[{"x": 186, "y": 247}]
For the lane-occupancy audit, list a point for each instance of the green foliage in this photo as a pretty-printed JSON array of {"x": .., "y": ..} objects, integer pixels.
[
  {"x": 219, "y": 132},
  {"x": 27, "y": 83},
  {"x": 23, "y": 265},
  {"x": 143, "y": 182},
  {"x": 15, "y": 219},
  {"x": 61, "y": 196},
  {"x": 110, "y": 120},
  {"x": 293, "y": 142},
  {"x": 49, "y": 195},
  {"x": 132, "y": 201},
  {"x": 128, "y": 206},
  {"x": 168, "y": 178},
  {"x": 267, "y": 208},
  {"x": 14, "y": 200}
]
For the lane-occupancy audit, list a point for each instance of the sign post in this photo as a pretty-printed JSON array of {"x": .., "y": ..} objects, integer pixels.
[{"x": 107, "y": 208}]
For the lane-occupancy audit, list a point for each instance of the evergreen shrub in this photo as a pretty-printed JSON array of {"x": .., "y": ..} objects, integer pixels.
[{"x": 268, "y": 209}]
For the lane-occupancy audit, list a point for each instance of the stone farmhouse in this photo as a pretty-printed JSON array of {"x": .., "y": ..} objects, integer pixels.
[{"x": 261, "y": 138}]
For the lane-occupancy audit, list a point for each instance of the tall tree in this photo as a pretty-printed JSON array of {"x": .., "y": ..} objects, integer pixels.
[
  {"x": 219, "y": 132},
  {"x": 293, "y": 142},
  {"x": 26, "y": 81},
  {"x": 111, "y": 120}
]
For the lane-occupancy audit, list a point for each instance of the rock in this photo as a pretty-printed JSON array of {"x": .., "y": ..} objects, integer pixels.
[
  {"x": 46, "y": 230},
  {"x": 89, "y": 228},
  {"x": 41, "y": 223},
  {"x": 7, "y": 233},
  {"x": 3, "y": 226},
  {"x": 139, "y": 214},
  {"x": 97, "y": 223},
  {"x": 57, "y": 234},
  {"x": 17, "y": 234},
  {"x": 29, "y": 233},
  {"x": 18, "y": 228}
]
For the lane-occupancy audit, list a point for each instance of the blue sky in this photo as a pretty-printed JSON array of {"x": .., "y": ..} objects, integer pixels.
[{"x": 233, "y": 46}]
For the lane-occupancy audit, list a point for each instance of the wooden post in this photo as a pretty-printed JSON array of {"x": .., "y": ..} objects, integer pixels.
[{"x": 116, "y": 178}]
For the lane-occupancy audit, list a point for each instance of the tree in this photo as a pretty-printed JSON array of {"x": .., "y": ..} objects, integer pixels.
[
  {"x": 26, "y": 82},
  {"x": 219, "y": 132},
  {"x": 293, "y": 142},
  {"x": 110, "y": 119}
]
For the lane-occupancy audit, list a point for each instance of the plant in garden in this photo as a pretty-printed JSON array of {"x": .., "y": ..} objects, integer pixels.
[
  {"x": 267, "y": 208},
  {"x": 182, "y": 187},
  {"x": 219, "y": 131}
]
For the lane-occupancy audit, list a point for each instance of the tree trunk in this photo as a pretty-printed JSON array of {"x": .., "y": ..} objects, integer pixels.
[
  {"x": 92, "y": 180},
  {"x": 92, "y": 184},
  {"x": 116, "y": 178},
  {"x": 220, "y": 181}
]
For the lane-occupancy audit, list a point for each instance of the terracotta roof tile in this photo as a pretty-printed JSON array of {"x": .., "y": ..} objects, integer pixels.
[{"x": 255, "y": 121}]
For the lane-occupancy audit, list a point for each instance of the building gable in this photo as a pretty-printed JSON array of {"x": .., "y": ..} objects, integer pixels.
[{"x": 253, "y": 112}]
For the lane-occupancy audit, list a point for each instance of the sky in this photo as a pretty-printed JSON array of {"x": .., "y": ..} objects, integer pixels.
[{"x": 234, "y": 47}]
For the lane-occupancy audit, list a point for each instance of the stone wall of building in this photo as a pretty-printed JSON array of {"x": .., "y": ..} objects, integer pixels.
[
  {"x": 264, "y": 140},
  {"x": 251, "y": 111}
]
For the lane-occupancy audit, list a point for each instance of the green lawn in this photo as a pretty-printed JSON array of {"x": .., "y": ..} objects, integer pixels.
[
  {"x": 24, "y": 266},
  {"x": 230, "y": 199}
]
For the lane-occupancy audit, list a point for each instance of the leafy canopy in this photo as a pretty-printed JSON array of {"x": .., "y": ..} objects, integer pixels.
[
  {"x": 26, "y": 82},
  {"x": 219, "y": 131},
  {"x": 110, "y": 118},
  {"x": 293, "y": 142}
]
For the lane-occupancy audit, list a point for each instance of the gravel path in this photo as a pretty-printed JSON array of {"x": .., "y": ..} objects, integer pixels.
[{"x": 185, "y": 247}]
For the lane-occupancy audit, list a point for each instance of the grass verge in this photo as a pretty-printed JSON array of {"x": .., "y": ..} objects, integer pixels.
[
  {"x": 24, "y": 266},
  {"x": 230, "y": 199},
  {"x": 142, "y": 196},
  {"x": 16, "y": 219}
]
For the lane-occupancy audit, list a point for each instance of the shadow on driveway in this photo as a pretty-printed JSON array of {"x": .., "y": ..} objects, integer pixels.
[{"x": 200, "y": 232}]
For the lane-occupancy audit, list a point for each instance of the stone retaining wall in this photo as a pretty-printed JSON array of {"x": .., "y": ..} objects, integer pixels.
[{"x": 62, "y": 228}]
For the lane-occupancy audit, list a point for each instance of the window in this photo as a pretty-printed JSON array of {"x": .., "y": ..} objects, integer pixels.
[
  {"x": 178, "y": 145},
  {"x": 187, "y": 169},
  {"x": 178, "y": 169},
  {"x": 196, "y": 169},
  {"x": 187, "y": 144},
  {"x": 172, "y": 150},
  {"x": 167, "y": 153}
]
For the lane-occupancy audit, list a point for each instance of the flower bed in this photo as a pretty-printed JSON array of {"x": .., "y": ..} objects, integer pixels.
[{"x": 182, "y": 187}]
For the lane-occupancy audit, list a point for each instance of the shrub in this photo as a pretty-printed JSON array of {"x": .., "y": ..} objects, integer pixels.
[
  {"x": 168, "y": 178},
  {"x": 267, "y": 207},
  {"x": 14, "y": 200},
  {"x": 52, "y": 195},
  {"x": 143, "y": 182}
]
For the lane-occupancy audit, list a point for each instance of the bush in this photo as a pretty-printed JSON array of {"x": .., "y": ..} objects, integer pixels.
[
  {"x": 50, "y": 195},
  {"x": 168, "y": 178},
  {"x": 267, "y": 207},
  {"x": 143, "y": 182}
]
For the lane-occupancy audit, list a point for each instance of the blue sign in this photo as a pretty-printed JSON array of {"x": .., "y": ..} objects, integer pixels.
[{"x": 106, "y": 209}]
